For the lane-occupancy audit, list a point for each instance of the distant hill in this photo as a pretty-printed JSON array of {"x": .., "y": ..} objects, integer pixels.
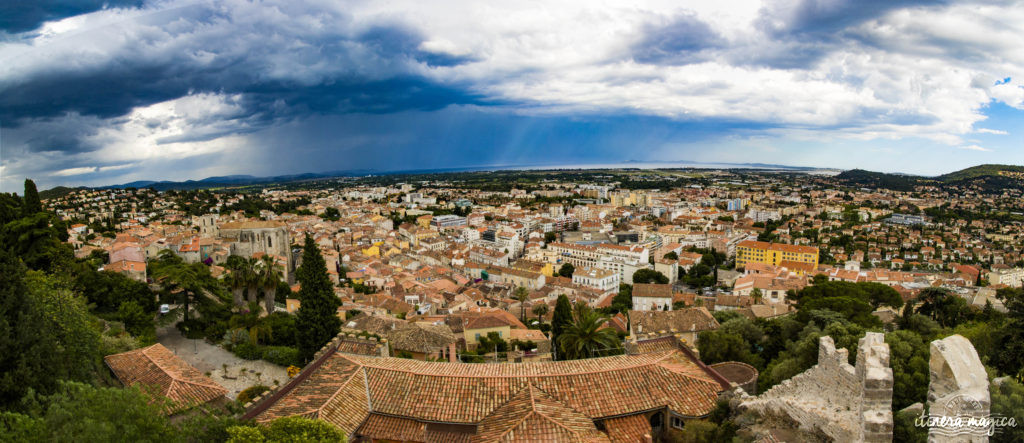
[
  {"x": 58, "y": 192},
  {"x": 991, "y": 178},
  {"x": 982, "y": 171},
  {"x": 228, "y": 180},
  {"x": 868, "y": 179}
]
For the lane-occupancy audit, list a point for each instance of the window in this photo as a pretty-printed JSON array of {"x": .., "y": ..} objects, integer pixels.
[{"x": 677, "y": 422}]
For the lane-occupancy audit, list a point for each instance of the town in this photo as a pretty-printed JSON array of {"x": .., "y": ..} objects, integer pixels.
[{"x": 619, "y": 304}]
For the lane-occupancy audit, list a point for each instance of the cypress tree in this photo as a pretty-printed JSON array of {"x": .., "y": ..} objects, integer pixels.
[
  {"x": 317, "y": 320},
  {"x": 562, "y": 317},
  {"x": 31, "y": 203}
]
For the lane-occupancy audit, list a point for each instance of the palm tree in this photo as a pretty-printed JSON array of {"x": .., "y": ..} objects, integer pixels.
[
  {"x": 522, "y": 294},
  {"x": 270, "y": 277},
  {"x": 540, "y": 310},
  {"x": 756, "y": 295},
  {"x": 236, "y": 279},
  {"x": 584, "y": 337},
  {"x": 251, "y": 276}
]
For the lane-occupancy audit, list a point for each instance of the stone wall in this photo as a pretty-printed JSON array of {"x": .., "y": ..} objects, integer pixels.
[
  {"x": 958, "y": 387},
  {"x": 841, "y": 401}
]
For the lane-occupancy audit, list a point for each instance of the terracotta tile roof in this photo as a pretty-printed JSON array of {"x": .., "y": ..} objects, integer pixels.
[
  {"x": 652, "y": 290},
  {"x": 631, "y": 428},
  {"x": 681, "y": 320},
  {"x": 383, "y": 427},
  {"x": 175, "y": 379},
  {"x": 425, "y": 338},
  {"x": 344, "y": 388},
  {"x": 532, "y": 415}
]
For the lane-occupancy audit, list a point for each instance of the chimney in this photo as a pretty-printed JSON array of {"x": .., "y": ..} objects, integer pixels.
[{"x": 452, "y": 357}]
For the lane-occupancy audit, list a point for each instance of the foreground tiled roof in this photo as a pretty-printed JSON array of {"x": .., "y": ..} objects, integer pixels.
[
  {"x": 396, "y": 399},
  {"x": 158, "y": 367}
]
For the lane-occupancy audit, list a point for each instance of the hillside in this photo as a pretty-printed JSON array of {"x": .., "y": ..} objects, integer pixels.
[
  {"x": 981, "y": 171},
  {"x": 869, "y": 179},
  {"x": 58, "y": 192}
]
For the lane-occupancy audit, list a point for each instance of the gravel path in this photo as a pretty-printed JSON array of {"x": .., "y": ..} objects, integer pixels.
[{"x": 211, "y": 360}]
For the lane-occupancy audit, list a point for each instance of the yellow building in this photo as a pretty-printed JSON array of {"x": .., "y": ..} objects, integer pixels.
[
  {"x": 372, "y": 251},
  {"x": 774, "y": 253}
]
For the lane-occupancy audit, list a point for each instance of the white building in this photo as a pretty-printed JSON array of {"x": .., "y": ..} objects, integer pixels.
[{"x": 597, "y": 278}]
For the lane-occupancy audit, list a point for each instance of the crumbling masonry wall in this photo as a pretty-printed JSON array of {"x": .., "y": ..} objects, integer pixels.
[
  {"x": 843, "y": 402},
  {"x": 958, "y": 387}
]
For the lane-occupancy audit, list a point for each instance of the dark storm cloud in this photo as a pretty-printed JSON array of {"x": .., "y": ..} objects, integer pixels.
[
  {"x": 824, "y": 17},
  {"x": 682, "y": 40},
  {"x": 801, "y": 33},
  {"x": 331, "y": 71},
  {"x": 25, "y": 15}
]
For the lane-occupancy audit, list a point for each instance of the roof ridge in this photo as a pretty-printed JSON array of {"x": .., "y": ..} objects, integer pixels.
[{"x": 646, "y": 363}]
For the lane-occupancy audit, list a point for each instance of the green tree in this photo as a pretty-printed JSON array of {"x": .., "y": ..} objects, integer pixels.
[
  {"x": 31, "y": 203},
  {"x": 288, "y": 430},
  {"x": 623, "y": 301},
  {"x": 649, "y": 276},
  {"x": 26, "y": 343},
  {"x": 908, "y": 357},
  {"x": 238, "y": 280},
  {"x": 187, "y": 283},
  {"x": 317, "y": 320},
  {"x": 584, "y": 337},
  {"x": 10, "y": 207},
  {"x": 942, "y": 306},
  {"x": 37, "y": 243},
  {"x": 270, "y": 278},
  {"x": 1008, "y": 401},
  {"x": 522, "y": 294},
  {"x": 561, "y": 318},
  {"x": 540, "y": 310},
  {"x": 672, "y": 255},
  {"x": 756, "y": 295},
  {"x": 566, "y": 270},
  {"x": 550, "y": 237},
  {"x": 80, "y": 412},
  {"x": 1009, "y": 358}
]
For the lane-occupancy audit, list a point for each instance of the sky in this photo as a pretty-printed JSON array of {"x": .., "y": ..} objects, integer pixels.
[{"x": 102, "y": 92}]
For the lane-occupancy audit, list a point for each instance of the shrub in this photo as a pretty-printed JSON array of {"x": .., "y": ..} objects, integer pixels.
[
  {"x": 236, "y": 337},
  {"x": 281, "y": 355},
  {"x": 247, "y": 351},
  {"x": 215, "y": 331},
  {"x": 281, "y": 327},
  {"x": 251, "y": 392}
]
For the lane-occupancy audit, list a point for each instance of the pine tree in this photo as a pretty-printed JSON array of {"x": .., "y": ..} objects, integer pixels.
[
  {"x": 31, "y": 203},
  {"x": 317, "y": 320}
]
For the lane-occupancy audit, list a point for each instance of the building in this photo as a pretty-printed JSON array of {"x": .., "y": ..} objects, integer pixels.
[
  {"x": 157, "y": 367},
  {"x": 684, "y": 323},
  {"x": 448, "y": 221},
  {"x": 619, "y": 398},
  {"x": 774, "y": 253},
  {"x": 597, "y": 278},
  {"x": 652, "y": 297},
  {"x": 269, "y": 237},
  {"x": 1011, "y": 277},
  {"x": 906, "y": 219}
]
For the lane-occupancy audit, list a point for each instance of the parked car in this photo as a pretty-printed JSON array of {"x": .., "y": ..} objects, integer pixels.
[{"x": 165, "y": 309}]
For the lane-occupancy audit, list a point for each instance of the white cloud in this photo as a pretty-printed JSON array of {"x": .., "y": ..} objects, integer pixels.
[
  {"x": 975, "y": 148},
  {"x": 990, "y": 131}
]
